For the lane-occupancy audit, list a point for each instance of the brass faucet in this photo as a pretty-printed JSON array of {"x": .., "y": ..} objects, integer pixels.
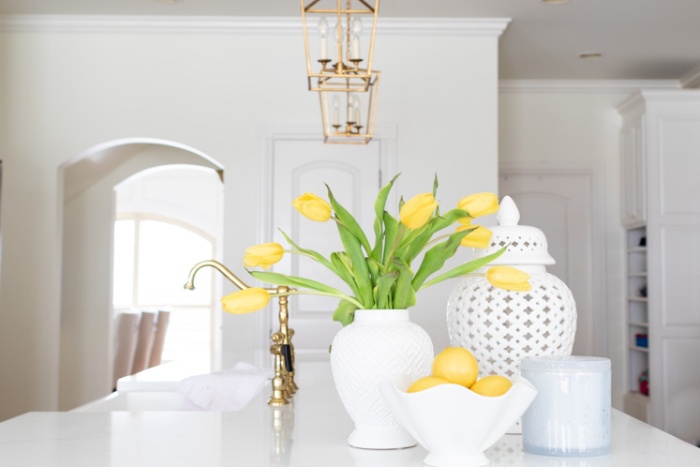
[{"x": 283, "y": 384}]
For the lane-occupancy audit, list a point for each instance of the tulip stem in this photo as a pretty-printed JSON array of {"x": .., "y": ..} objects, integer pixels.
[
  {"x": 433, "y": 282},
  {"x": 313, "y": 292},
  {"x": 441, "y": 237},
  {"x": 303, "y": 253},
  {"x": 437, "y": 239},
  {"x": 397, "y": 242}
]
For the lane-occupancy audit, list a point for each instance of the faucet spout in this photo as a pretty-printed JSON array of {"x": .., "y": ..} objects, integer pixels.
[
  {"x": 283, "y": 384},
  {"x": 189, "y": 285}
]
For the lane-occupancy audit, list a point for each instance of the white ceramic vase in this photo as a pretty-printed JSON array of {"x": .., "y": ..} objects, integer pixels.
[{"x": 379, "y": 345}]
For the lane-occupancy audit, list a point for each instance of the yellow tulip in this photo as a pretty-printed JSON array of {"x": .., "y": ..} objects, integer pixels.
[
  {"x": 478, "y": 204},
  {"x": 507, "y": 278},
  {"x": 417, "y": 210},
  {"x": 263, "y": 255},
  {"x": 246, "y": 301},
  {"x": 313, "y": 207},
  {"x": 478, "y": 238}
]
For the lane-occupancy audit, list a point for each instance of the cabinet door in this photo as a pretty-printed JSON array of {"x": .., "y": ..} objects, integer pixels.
[
  {"x": 633, "y": 174},
  {"x": 561, "y": 205}
]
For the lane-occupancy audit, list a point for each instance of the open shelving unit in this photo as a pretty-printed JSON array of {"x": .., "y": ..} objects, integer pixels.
[{"x": 637, "y": 321}]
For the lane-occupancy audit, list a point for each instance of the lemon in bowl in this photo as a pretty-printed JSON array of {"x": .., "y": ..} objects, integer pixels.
[
  {"x": 457, "y": 365},
  {"x": 426, "y": 382},
  {"x": 492, "y": 386}
]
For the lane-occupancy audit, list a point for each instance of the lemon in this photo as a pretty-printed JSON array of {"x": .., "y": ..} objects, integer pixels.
[
  {"x": 426, "y": 382},
  {"x": 492, "y": 386},
  {"x": 456, "y": 365}
]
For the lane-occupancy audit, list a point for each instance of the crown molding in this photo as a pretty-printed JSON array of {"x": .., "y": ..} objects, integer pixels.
[
  {"x": 691, "y": 80},
  {"x": 148, "y": 24},
  {"x": 492, "y": 27},
  {"x": 585, "y": 86}
]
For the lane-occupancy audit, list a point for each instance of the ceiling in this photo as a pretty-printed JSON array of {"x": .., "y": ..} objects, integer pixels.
[{"x": 638, "y": 39}]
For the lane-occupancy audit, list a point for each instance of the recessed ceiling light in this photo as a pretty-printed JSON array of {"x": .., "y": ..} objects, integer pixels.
[
  {"x": 587, "y": 55},
  {"x": 555, "y": 2}
]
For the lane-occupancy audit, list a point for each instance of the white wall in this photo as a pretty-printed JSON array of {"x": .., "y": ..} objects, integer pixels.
[
  {"x": 568, "y": 129},
  {"x": 448, "y": 118},
  {"x": 65, "y": 90}
]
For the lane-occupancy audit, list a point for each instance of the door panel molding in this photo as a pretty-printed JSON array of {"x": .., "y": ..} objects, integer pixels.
[{"x": 269, "y": 135}]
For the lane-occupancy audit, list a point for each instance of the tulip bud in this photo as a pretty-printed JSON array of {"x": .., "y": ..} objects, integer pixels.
[
  {"x": 263, "y": 255},
  {"x": 478, "y": 204},
  {"x": 417, "y": 210},
  {"x": 313, "y": 207},
  {"x": 478, "y": 238},
  {"x": 246, "y": 301},
  {"x": 507, "y": 278}
]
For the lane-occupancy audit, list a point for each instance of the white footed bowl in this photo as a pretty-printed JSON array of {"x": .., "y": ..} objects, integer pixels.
[{"x": 454, "y": 424}]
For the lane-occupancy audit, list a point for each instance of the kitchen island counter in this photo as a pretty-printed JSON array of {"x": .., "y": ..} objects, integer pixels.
[{"x": 311, "y": 431}]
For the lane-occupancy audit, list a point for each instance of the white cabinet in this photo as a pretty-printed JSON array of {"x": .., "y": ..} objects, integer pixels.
[{"x": 661, "y": 203}]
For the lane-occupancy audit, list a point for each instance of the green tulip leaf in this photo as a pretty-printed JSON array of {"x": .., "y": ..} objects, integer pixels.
[
  {"x": 382, "y": 292},
  {"x": 343, "y": 266},
  {"x": 311, "y": 253},
  {"x": 464, "y": 269},
  {"x": 348, "y": 221},
  {"x": 379, "y": 208},
  {"x": 435, "y": 188},
  {"x": 404, "y": 294},
  {"x": 418, "y": 243},
  {"x": 345, "y": 313},
  {"x": 359, "y": 265},
  {"x": 391, "y": 226},
  {"x": 375, "y": 269},
  {"x": 293, "y": 281},
  {"x": 435, "y": 257},
  {"x": 447, "y": 219}
]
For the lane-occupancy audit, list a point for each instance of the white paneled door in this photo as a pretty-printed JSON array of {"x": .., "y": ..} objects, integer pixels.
[
  {"x": 353, "y": 173},
  {"x": 560, "y": 204}
]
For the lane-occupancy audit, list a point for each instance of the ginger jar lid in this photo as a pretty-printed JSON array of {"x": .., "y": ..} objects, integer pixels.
[{"x": 526, "y": 244}]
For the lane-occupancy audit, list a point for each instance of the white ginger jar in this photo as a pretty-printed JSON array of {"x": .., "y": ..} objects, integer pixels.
[{"x": 500, "y": 327}]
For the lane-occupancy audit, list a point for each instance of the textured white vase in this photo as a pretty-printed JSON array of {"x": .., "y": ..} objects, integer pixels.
[{"x": 379, "y": 345}]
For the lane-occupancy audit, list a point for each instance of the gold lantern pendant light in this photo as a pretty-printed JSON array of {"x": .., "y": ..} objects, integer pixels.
[{"x": 346, "y": 83}]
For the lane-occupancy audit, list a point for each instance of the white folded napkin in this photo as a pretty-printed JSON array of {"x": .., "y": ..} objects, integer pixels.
[{"x": 227, "y": 390}]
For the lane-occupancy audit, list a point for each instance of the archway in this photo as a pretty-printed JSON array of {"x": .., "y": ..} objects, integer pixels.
[{"x": 88, "y": 211}]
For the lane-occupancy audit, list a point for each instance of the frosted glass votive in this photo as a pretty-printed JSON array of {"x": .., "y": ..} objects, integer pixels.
[{"x": 571, "y": 414}]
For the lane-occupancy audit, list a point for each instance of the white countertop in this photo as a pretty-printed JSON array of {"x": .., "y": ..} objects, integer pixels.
[
  {"x": 163, "y": 377},
  {"x": 310, "y": 432}
]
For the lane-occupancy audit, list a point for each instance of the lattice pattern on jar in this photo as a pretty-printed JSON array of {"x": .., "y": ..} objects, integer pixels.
[
  {"x": 501, "y": 327},
  {"x": 526, "y": 241}
]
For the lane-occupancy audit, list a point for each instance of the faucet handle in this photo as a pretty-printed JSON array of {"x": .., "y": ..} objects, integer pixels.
[
  {"x": 286, "y": 351},
  {"x": 277, "y": 337}
]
